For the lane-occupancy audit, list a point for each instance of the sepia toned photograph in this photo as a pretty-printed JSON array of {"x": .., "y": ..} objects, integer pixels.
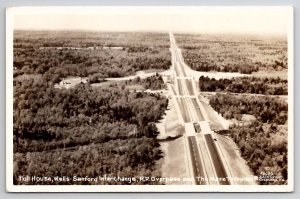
[{"x": 149, "y": 99}]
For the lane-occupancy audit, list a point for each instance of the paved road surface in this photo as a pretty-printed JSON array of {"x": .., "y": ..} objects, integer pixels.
[
  {"x": 196, "y": 161},
  {"x": 191, "y": 112},
  {"x": 217, "y": 161}
]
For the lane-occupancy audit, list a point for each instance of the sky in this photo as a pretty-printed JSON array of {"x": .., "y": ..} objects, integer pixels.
[{"x": 260, "y": 20}]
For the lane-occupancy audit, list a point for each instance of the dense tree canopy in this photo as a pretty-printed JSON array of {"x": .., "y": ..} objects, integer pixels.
[
  {"x": 154, "y": 82},
  {"x": 56, "y": 123},
  {"x": 233, "y": 52},
  {"x": 265, "y": 109},
  {"x": 264, "y": 147},
  {"x": 263, "y": 143},
  {"x": 86, "y": 131},
  {"x": 68, "y": 54},
  {"x": 265, "y": 86}
]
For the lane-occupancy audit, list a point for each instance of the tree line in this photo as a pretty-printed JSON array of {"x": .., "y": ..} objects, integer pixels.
[
  {"x": 46, "y": 55},
  {"x": 50, "y": 124},
  {"x": 264, "y": 147},
  {"x": 255, "y": 85},
  {"x": 233, "y": 52},
  {"x": 154, "y": 82},
  {"x": 263, "y": 143},
  {"x": 200, "y": 62},
  {"x": 265, "y": 109}
]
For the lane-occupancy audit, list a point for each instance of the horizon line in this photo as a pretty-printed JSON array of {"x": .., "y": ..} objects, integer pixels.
[{"x": 157, "y": 31}]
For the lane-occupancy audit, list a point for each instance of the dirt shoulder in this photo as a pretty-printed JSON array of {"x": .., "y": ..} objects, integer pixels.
[{"x": 172, "y": 164}]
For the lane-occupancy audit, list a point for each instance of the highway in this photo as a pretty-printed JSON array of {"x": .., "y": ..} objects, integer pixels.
[
  {"x": 217, "y": 161},
  {"x": 196, "y": 161},
  {"x": 204, "y": 154}
]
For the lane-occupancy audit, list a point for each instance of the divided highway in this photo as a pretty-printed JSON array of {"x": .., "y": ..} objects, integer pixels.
[
  {"x": 196, "y": 161},
  {"x": 206, "y": 163},
  {"x": 217, "y": 161}
]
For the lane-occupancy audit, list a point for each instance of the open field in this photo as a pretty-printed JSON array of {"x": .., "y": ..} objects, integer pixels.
[{"x": 282, "y": 74}]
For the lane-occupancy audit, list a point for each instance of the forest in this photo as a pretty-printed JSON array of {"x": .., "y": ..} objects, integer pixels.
[
  {"x": 233, "y": 52},
  {"x": 264, "y": 147},
  {"x": 54, "y": 123},
  {"x": 265, "y": 109},
  {"x": 86, "y": 130},
  {"x": 263, "y": 143},
  {"x": 255, "y": 85},
  {"x": 62, "y": 54},
  {"x": 154, "y": 82}
]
